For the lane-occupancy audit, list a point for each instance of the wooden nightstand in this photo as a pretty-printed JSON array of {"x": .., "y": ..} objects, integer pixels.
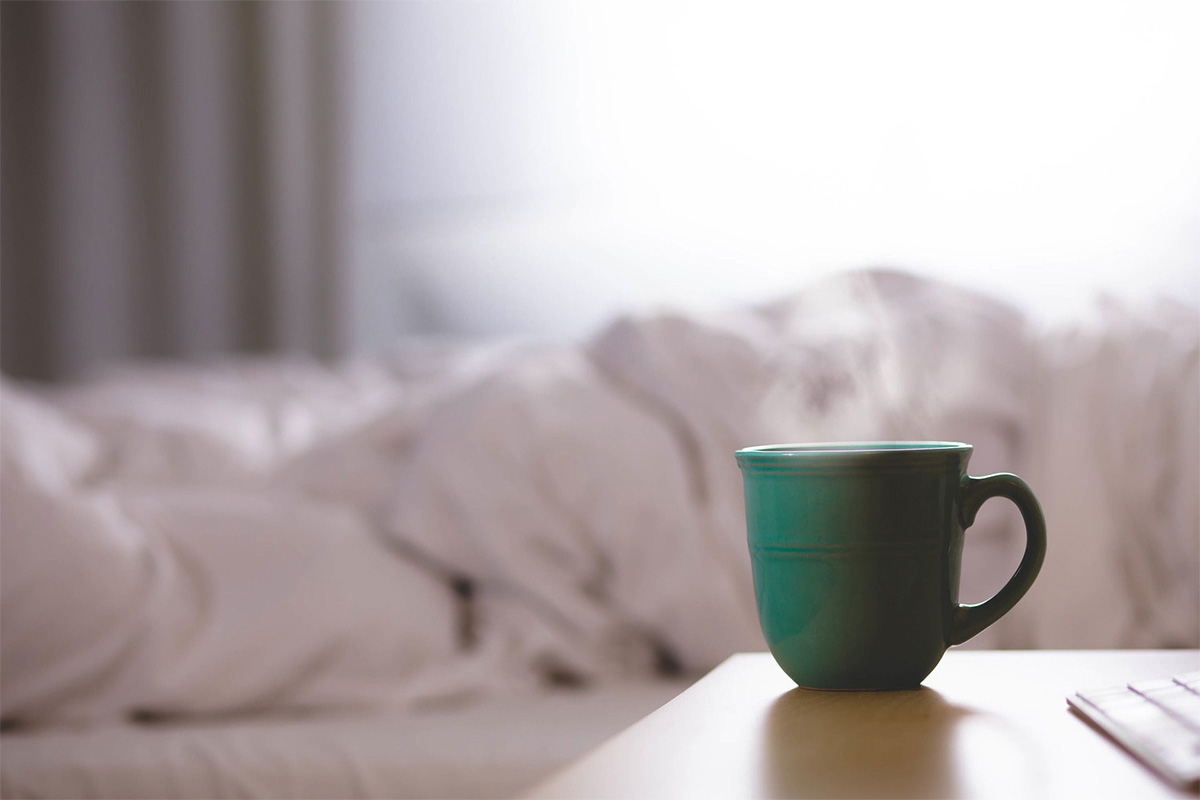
[{"x": 985, "y": 724}]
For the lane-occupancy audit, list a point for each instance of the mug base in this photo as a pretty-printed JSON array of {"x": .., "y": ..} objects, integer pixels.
[{"x": 902, "y": 688}]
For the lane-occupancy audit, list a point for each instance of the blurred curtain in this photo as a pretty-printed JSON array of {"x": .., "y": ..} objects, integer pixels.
[{"x": 172, "y": 182}]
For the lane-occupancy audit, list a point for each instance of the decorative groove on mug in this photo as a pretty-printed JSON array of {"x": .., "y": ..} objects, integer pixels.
[{"x": 853, "y": 549}]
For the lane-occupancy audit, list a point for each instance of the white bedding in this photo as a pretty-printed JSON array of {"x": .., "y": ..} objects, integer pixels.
[
  {"x": 431, "y": 524},
  {"x": 493, "y": 749}
]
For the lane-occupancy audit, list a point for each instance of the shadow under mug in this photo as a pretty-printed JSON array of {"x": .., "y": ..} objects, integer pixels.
[{"x": 856, "y": 550}]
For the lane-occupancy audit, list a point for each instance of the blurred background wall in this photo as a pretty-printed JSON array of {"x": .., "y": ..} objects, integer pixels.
[{"x": 186, "y": 180}]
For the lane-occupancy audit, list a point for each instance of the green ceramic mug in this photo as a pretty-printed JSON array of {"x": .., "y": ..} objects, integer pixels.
[{"x": 856, "y": 550}]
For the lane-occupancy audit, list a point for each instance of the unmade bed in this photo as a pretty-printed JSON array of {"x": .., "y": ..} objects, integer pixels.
[{"x": 379, "y": 578}]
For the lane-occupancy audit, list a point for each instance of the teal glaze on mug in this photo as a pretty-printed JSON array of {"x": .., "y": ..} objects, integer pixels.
[{"x": 856, "y": 550}]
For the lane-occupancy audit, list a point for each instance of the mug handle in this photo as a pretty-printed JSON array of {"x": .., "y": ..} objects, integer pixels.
[{"x": 969, "y": 620}]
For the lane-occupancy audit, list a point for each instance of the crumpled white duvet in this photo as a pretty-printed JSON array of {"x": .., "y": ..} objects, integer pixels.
[{"x": 428, "y": 523}]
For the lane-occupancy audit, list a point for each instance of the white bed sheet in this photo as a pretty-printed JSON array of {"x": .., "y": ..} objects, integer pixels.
[{"x": 496, "y": 748}]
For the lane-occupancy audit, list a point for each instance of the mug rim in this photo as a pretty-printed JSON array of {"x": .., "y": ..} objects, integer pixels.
[{"x": 804, "y": 450}]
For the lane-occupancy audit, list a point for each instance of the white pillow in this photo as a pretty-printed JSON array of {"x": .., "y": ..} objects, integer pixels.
[
  {"x": 40, "y": 443},
  {"x": 76, "y": 579}
]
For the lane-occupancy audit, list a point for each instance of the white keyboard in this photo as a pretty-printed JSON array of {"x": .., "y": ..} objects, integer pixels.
[{"x": 1158, "y": 721}]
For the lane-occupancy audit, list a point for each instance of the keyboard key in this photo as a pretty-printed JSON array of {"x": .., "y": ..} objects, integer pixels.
[
  {"x": 1173, "y": 698},
  {"x": 1190, "y": 680}
]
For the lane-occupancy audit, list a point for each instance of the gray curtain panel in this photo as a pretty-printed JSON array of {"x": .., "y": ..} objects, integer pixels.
[{"x": 173, "y": 182}]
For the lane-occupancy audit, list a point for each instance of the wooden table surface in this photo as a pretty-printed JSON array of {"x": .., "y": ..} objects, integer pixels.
[{"x": 985, "y": 724}]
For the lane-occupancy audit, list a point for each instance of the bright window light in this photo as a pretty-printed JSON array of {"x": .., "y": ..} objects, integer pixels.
[{"x": 706, "y": 153}]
